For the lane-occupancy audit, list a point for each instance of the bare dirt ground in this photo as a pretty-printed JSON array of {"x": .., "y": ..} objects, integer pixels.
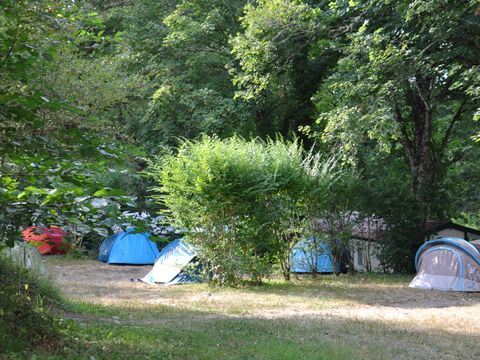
[{"x": 89, "y": 281}]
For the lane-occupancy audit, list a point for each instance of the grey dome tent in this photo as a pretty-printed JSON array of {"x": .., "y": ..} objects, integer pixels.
[
  {"x": 175, "y": 265},
  {"x": 448, "y": 264}
]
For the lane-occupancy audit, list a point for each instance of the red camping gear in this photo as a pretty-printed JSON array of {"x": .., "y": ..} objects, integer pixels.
[{"x": 47, "y": 240}]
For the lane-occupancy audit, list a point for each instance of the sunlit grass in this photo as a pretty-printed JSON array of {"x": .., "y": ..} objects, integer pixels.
[{"x": 366, "y": 316}]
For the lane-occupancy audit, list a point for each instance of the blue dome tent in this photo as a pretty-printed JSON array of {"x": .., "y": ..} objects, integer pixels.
[
  {"x": 310, "y": 254},
  {"x": 128, "y": 248}
]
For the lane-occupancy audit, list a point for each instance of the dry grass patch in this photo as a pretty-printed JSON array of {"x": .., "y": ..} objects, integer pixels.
[{"x": 379, "y": 314}]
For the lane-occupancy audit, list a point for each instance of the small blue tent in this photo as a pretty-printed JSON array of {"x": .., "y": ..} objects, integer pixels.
[
  {"x": 311, "y": 253},
  {"x": 128, "y": 248},
  {"x": 172, "y": 264}
]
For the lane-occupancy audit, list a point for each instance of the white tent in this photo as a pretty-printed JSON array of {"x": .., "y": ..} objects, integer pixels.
[
  {"x": 448, "y": 264},
  {"x": 169, "y": 268}
]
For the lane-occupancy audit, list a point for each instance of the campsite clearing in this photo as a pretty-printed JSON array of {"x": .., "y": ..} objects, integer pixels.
[{"x": 308, "y": 318}]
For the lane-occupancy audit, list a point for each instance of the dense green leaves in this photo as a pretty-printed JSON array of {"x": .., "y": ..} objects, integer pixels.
[
  {"x": 181, "y": 49},
  {"x": 56, "y": 165},
  {"x": 49, "y": 183},
  {"x": 280, "y": 61},
  {"x": 405, "y": 81}
]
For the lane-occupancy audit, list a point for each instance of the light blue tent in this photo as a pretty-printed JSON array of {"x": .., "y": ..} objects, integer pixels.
[
  {"x": 310, "y": 254},
  {"x": 175, "y": 265},
  {"x": 128, "y": 248}
]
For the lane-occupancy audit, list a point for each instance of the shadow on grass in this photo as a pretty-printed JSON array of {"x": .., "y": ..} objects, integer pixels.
[
  {"x": 236, "y": 338},
  {"x": 318, "y": 293},
  {"x": 365, "y": 289}
]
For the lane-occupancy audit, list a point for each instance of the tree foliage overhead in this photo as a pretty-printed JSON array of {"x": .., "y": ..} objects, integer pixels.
[
  {"x": 407, "y": 76},
  {"x": 281, "y": 60},
  {"x": 405, "y": 80},
  {"x": 182, "y": 48},
  {"x": 58, "y": 162}
]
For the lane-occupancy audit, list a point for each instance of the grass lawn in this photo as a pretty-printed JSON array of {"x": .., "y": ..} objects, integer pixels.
[{"x": 345, "y": 317}]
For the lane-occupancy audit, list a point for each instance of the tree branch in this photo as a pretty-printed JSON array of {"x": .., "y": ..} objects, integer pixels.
[
  {"x": 448, "y": 132},
  {"x": 422, "y": 97},
  {"x": 405, "y": 139},
  {"x": 14, "y": 43}
]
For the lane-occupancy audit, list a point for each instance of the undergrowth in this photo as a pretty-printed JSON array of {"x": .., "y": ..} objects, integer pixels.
[{"x": 26, "y": 320}]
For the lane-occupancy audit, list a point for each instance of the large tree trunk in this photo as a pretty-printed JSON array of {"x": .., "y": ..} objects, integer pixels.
[{"x": 417, "y": 143}]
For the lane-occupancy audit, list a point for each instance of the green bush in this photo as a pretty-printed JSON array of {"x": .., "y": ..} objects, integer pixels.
[
  {"x": 25, "y": 318},
  {"x": 242, "y": 202}
]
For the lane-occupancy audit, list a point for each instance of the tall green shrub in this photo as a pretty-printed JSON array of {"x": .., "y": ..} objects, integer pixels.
[{"x": 242, "y": 202}]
